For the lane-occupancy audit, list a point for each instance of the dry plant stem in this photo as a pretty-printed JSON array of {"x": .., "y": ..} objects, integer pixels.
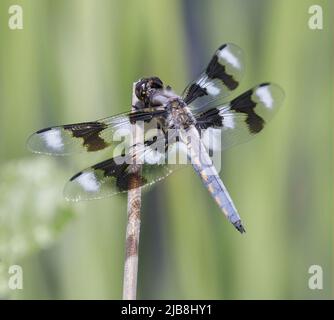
[{"x": 133, "y": 225}]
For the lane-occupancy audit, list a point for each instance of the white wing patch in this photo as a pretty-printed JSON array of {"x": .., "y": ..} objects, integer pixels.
[
  {"x": 228, "y": 56},
  {"x": 53, "y": 139},
  {"x": 264, "y": 94},
  {"x": 228, "y": 121},
  {"x": 211, "y": 89},
  {"x": 88, "y": 181}
]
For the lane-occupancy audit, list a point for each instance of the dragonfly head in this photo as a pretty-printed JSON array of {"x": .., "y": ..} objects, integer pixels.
[{"x": 145, "y": 87}]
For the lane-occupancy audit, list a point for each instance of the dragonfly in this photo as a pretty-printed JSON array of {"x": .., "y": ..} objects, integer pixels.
[{"x": 188, "y": 123}]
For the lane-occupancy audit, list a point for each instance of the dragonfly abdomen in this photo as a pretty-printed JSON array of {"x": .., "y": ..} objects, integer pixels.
[{"x": 206, "y": 170}]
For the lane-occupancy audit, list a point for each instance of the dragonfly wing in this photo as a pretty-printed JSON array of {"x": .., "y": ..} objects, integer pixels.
[
  {"x": 90, "y": 136},
  {"x": 241, "y": 119},
  {"x": 220, "y": 78}
]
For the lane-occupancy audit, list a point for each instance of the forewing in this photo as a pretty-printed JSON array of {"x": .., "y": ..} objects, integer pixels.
[
  {"x": 221, "y": 76},
  {"x": 89, "y": 136}
]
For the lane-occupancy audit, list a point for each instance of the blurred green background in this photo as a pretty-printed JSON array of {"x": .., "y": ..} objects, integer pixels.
[{"x": 75, "y": 60}]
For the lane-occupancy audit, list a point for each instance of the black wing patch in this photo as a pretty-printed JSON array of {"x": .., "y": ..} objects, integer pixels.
[
  {"x": 90, "y": 134},
  {"x": 245, "y": 104},
  {"x": 210, "y": 119},
  {"x": 217, "y": 70}
]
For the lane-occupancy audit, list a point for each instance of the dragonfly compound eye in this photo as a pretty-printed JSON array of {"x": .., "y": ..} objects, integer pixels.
[
  {"x": 145, "y": 86},
  {"x": 141, "y": 89}
]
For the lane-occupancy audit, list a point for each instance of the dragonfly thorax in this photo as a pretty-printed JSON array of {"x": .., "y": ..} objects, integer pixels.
[
  {"x": 152, "y": 93},
  {"x": 180, "y": 115}
]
